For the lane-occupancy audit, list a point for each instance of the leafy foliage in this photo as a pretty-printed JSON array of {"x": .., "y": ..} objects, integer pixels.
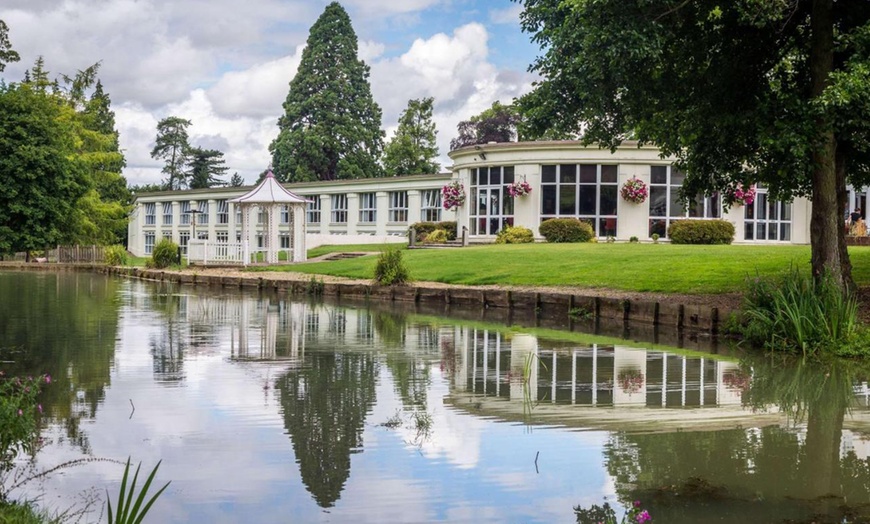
[
  {"x": 390, "y": 269},
  {"x": 172, "y": 147},
  {"x": 566, "y": 230},
  {"x": 740, "y": 92},
  {"x": 701, "y": 232},
  {"x": 496, "y": 124},
  {"x": 117, "y": 255},
  {"x": 7, "y": 54},
  {"x": 438, "y": 236},
  {"x": 129, "y": 511},
  {"x": 18, "y": 413},
  {"x": 165, "y": 254},
  {"x": 423, "y": 229},
  {"x": 515, "y": 235},
  {"x": 796, "y": 313},
  {"x": 331, "y": 127},
  {"x": 413, "y": 150},
  {"x": 41, "y": 173},
  {"x": 236, "y": 180}
]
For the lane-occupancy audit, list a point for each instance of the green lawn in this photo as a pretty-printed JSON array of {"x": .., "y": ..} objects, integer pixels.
[
  {"x": 632, "y": 267},
  {"x": 323, "y": 250}
]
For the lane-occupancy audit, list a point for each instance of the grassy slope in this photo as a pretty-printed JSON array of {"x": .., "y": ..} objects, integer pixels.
[{"x": 632, "y": 267}]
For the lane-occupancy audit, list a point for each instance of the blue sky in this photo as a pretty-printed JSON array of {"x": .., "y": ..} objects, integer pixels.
[{"x": 226, "y": 65}]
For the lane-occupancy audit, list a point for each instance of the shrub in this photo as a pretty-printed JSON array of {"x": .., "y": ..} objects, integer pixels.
[
  {"x": 701, "y": 232},
  {"x": 797, "y": 313},
  {"x": 439, "y": 236},
  {"x": 116, "y": 255},
  {"x": 566, "y": 230},
  {"x": 390, "y": 269},
  {"x": 633, "y": 240},
  {"x": 165, "y": 254},
  {"x": 18, "y": 413},
  {"x": 515, "y": 235},
  {"x": 424, "y": 228}
]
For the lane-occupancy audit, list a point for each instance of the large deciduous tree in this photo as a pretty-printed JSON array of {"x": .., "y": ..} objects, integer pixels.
[
  {"x": 413, "y": 150},
  {"x": 173, "y": 148},
  {"x": 496, "y": 124},
  {"x": 41, "y": 173},
  {"x": 747, "y": 91},
  {"x": 331, "y": 127}
]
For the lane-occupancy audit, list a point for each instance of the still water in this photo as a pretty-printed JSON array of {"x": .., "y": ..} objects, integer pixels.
[{"x": 264, "y": 409}]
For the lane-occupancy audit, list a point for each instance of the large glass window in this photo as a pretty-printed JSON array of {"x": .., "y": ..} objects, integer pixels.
[
  {"x": 223, "y": 212},
  {"x": 285, "y": 214},
  {"x": 167, "y": 213},
  {"x": 368, "y": 208},
  {"x": 313, "y": 210},
  {"x": 149, "y": 242},
  {"x": 150, "y": 214},
  {"x": 430, "y": 205},
  {"x": 398, "y": 206},
  {"x": 584, "y": 191},
  {"x": 185, "y": 213},
  {"x": 767, "y": 219},
  {"x": 183, "y": 239},
  {"x": 339, "y": 209},
  {"x": 491, "y": 208},
  {"x": 202, "y": 216},
  {"x": 664, "y": 201}
]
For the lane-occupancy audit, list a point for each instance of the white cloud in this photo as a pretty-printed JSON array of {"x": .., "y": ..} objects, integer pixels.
[{"x": 508, "y": 15}]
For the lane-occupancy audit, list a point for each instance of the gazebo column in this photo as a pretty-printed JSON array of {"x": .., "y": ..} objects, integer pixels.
[
  {"x": 246, "y": 232},
  {"x": 300, "y": 252},
  {"x": 274, "y": 218}
]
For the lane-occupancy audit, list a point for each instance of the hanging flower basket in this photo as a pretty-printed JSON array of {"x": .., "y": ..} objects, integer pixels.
[
  {"x": 739, "y": 196},
  {"x": 452, "y": 195},
  {"x": 634, "y": 190},
  {"x": 518, "y": 189},
  {"x": 630, "y": 380}
]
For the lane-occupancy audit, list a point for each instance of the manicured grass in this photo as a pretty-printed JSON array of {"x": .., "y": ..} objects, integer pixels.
[
  {"x": 632, "y": 267},
  {"x": 324, "y": 250}
]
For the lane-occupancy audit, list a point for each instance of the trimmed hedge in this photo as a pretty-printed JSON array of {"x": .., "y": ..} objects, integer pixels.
[
  {"x": 561, "y": 230},
  {"x": 515, "y": 235},
  {"x": 701, "y": 232},
  {"x": 424, "y": 228}
]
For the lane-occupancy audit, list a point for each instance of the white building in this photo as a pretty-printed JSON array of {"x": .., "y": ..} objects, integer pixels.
[{"x": 567, "y": 180}]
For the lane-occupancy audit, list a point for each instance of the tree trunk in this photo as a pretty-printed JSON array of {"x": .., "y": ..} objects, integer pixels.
[
  {"x": 842, "y": 205},
  {"x": 825, "y": 222}
]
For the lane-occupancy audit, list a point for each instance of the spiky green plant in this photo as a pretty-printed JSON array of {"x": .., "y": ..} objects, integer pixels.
[{"x": 128, "y": 511}]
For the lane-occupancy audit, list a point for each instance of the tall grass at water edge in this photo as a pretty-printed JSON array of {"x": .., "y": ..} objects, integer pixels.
[{"x": 796, "y": 313}]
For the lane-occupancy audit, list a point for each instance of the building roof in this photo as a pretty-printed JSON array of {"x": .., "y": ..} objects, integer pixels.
[{"x": 269, "y": 192}]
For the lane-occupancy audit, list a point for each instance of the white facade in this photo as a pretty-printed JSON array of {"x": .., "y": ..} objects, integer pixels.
[{"x": 567, "y": 180}]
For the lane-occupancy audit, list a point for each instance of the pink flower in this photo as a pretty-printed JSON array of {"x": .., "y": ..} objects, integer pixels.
[
  {"x": 48, "y": 379},
  {"x": 39, "y": 407},
  {"x": 637, "y": 503},
  {"x": 642, "y": 517},
  {"x": 20, "y": 412}
]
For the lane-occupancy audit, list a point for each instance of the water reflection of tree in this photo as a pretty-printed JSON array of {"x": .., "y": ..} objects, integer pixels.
[
  {"x": 756, "y": 473},
  {"x": 167, "y": 351},
  {"x": 324, "y": 406},
  {"x": 66, "y": 325},
  {"x": 411, "y": 375}
]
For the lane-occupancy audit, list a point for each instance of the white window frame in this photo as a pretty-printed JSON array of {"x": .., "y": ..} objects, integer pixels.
[
  {"x": 185, "y": 213},
  {"x": 150, "y": 214},
  {"x": 167, "y": 213},
  {"x": 430, "y": 205},
  {"x": 223, "y": 212},
  {"x": 338, "y": 209},
  {"x": 398, "y": 210},
  {"x": 202, "y": 216},
  {"x": 312, "y": 211},
  {"x": 150, "y": 237},
  {"x": 285, "y": 214},
  {"x": 368, "y": 208},
  {"x": 703, "y": 208},
  {"x": 606, "y": 178}
]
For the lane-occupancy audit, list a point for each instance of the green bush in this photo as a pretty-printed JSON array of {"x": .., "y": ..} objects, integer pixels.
[
  {"x": 439, "y": 236},
  {"x": 390, "y": 269},
  {"x": 116, "y": 255},
  {"x": 701, "y": 232},
  {"x": 423, "y": 229},
  {"x": 559, "y": 230},
  {"x": 18, "y": 416},
  {"x": 165, "y": 254},
  {"x": 515, "y": 235}
]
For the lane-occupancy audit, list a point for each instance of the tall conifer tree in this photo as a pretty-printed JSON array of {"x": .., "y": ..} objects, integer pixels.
[
  {"x": 331, "y": 127},
  {"x": 413, "y": 150}
]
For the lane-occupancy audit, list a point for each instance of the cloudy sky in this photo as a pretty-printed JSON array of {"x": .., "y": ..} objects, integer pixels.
[{"x": 226, "y": 64}]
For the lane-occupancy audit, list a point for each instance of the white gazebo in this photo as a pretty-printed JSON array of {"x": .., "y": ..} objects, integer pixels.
[{"x": 268, "y": 199}]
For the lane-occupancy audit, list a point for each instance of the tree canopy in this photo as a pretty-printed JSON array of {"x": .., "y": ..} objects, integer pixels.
[
  {"x": 7, "y": 54},
  {"x": 412, "y": 149},
  {"x": 496, "y": 124},
  {"x": 205, "y": 168},
  {"x": 331, "y": 127},
  {"x": 748, "y": 91},
  {"x": 173, "y": 148}
]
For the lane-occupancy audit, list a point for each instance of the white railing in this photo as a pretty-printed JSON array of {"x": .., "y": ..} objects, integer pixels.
[{"x": 205, "y": 252}]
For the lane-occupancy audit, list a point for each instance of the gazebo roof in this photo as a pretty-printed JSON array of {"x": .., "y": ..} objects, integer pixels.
[{"x": 269, "y": 191}]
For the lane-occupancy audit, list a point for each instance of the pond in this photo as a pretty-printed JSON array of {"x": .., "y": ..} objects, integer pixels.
[{"x": 267, "y": 409}]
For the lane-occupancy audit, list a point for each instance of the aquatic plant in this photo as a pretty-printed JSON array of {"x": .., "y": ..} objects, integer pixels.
[
  {"x": 798, "y": 313},
  {"x": 128, "y": 511},
  {"x": 605, "y": 514},
  {"x": 19, "y": 410}
]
